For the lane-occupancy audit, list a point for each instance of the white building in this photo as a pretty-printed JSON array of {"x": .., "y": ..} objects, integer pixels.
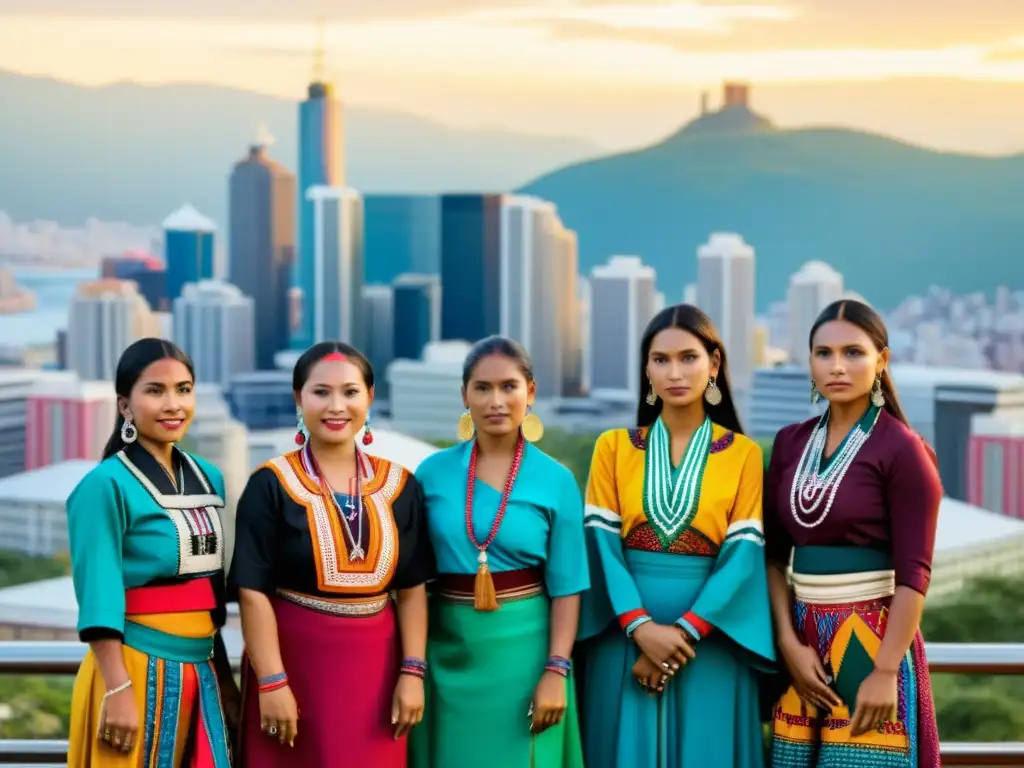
[
  {"x": 216, "y": 325},
  {"x": 623, "y": 291},
  {"x": 533, "y": 287},
  {"x": 779, "y": 397},
  {"x": 725, "y": 291},
  {"x": 338, "y": 256},
  {"x": 811, "y": 289},
  {"x": 426, "y": 395},
  {"x": 104, "y": 318},
  {"x": 32, "y": 516}
]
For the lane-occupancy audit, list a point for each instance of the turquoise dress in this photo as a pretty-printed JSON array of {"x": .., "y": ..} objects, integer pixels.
[
  {"x": 485, "y": 666},
  {"x": 147, "y": 565}
]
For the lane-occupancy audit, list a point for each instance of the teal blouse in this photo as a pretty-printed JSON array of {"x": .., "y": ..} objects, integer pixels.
[
  {"x": 128, "y": 527},
  {"x": 542, "y": 528}
]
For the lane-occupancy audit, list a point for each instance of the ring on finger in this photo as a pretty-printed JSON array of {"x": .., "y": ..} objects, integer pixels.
[{"x": 272, "y": 730}]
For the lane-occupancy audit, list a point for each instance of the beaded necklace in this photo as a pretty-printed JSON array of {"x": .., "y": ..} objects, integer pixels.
[
  {"x": 356, "y": 554},
  {"x": 484, "y": 597},
  {"x": 671, "y": 495},
  {"x": 817, "y": 481}
]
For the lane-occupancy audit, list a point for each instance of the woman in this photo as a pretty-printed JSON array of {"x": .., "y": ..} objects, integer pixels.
[
  {"x": 677, "y": 622},
  {"x": 856, "y": 494},
  {"x": 333, "y": 674},
  {"x": 506, "y": 522},
  {"x": 147, "y": 560}
]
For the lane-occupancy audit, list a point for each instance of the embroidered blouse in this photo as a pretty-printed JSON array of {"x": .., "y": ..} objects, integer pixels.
[
  {"x": 287, "y": 537},
  {"x": 128, "y": 526},
  {"x": 725, "y": 523},
  {"x": 888, "y": 500}
]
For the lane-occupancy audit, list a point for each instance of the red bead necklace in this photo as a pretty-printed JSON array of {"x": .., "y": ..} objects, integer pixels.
[{"x": 513, "y": 471}]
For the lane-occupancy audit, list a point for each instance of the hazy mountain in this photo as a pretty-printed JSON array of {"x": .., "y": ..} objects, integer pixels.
[
  {"x": 893, "y": 218},
  {"x": 135, "y": 153}
]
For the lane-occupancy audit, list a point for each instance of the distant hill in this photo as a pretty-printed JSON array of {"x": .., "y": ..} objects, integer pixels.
[
  {"x": 893, "y": 218},
  {"x": 135, "y": 153}
]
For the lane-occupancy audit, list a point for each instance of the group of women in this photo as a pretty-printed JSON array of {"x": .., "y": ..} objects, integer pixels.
[{"x": 479, "y": 612}]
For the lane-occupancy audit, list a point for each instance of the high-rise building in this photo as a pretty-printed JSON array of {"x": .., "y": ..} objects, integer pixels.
[
  {"x": 531, "y": 251},
  {"x": 779, "y": 396},
  {"x": 725, "y": 291},
  {"x": 146, "y": 270},
  {"x": 417, "y": 314},
  {"x": 426, "y": 398},
  {"x": 104, "y": 318},
  {"x": 188, "y": 249},
  {"x": 378, "y": 332},
  {"x": 403, "y": 235},
  {"x": 321, "y": 163},
  {"x": 811, "y": 289},
  {"x": 15, "y": 387},
  {"x": 624, "y": 290},
  {"x": 568, "y": 305},
  {"x": 262, "y": 227},
  {"x": 216, "y": 325},
  {"x": 470, "y": 266},
  {"x": 68, "y": 418},
  {"x": 335, "y": 301},
  {"x": 995, "y": 463}
]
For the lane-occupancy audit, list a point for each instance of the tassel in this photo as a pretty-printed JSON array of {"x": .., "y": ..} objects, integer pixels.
[{"x": 484, "y": 596}]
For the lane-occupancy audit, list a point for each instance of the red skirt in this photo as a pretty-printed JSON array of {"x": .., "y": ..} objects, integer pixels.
[{"x": 342, "y": 671}]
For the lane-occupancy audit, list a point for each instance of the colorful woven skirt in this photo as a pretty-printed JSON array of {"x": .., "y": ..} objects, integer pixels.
[
  {"x": 841, "y": 606},
  {"x": 342, "y": 670},
  {"x": 708, "y": 713},
  {"x": 484, "y": 668},
  {"x": 169, "y": 658}
]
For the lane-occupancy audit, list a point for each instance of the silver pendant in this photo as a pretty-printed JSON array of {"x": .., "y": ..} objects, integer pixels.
[{"x": 357, "y": 555}]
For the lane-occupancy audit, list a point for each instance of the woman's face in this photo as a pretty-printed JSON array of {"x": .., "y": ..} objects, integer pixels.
[
  {"x": 845, "y": 362},
  {"x": 162, "y": 402},
  {"x": 679, "y": 367},
  {"x": 498, "y": 396},
  {"x": 334, "y": 401}
]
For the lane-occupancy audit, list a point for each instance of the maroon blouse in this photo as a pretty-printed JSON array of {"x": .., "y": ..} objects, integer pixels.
[{"x": 889, "y": 499}]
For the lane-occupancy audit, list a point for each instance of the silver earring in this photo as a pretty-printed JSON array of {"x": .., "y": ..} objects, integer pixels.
[
  {"x": 712, "y": 394},
  {"x": 877, "y": 396},
  {"x": 651, "y": 397},
  {"x": 815, "y": 394},
  {"x": 129, "y": 433}
]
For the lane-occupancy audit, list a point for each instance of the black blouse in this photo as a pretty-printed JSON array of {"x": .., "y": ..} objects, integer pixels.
[{"x": 288, "y": 536}]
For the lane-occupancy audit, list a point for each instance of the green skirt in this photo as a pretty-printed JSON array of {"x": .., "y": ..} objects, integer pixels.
[{"x": 484, "y": 667}]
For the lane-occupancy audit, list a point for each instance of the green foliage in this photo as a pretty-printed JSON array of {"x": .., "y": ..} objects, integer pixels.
[
  {"x": 40, "y": 707},
  {"x": 16, "y": 568}
]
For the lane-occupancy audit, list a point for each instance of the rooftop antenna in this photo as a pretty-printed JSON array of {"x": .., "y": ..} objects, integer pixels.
[{"x": 318, "y": 52}]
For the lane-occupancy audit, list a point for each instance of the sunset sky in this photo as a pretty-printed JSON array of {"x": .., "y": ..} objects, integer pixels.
[{"x": 615, "y": 72}]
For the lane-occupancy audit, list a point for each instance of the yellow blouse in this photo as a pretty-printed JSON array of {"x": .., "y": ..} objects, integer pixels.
[{"x": 730, "y": 493}]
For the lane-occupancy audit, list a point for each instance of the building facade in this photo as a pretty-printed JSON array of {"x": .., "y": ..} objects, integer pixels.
[
  {"x": 335, "y": 299},
  {"x": 104, "y": 318},
  {"x": 216, "y": 325},
  {"x": 403, "y": 235},
  {"x": 470, "y": 266},
  {"x": 725, "y": 291},
  {"x": 67, "y": 419},
  {"x": 417, "y": 314},
  {"x": 188, "y": 250}
]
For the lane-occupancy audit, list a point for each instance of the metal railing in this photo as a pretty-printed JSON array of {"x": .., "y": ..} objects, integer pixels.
[{"x": 63, "y": 658}]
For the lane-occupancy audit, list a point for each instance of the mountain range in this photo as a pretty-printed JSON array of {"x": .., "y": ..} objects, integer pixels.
[
  {"x": 135, "y": 153},
  {"x": 891, "y": 217}
]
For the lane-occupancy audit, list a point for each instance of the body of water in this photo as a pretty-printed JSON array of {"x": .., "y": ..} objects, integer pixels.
[{"x": 54, "y": 290}]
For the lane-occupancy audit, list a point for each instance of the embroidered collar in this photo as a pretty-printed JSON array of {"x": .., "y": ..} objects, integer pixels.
[
  {"x": 672, "y": 494},
  {"x": 147, "y": 470}
]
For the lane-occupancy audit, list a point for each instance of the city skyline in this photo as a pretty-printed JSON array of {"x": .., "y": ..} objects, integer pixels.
[{"x": 637, "y": 66}]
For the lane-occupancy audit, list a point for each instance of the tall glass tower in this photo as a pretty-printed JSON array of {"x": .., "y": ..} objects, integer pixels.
[{"x": 321, "y": 163}]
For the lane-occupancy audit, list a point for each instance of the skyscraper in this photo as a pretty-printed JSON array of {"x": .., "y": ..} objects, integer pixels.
[
  {"x": 377, "y": 331},
  {"x": 570, "y": 313},
  {"x": 262, "y": 226},
  {"x": 417, "y": 314},
  {"x": 335, "y": 302},
  {"x": 725, "y": 291},
  {"x": 321, "y": 163},
  {"x": 216, "y": 325},
  {"x": 470, "y": 266},
  {"x": 811, "y": 289},
  {"x": 623, "y": 293},
  {"x": 188, "y": 249},
  {"x": 403, "y": 235},
  {"x": 104, "y": 318}
]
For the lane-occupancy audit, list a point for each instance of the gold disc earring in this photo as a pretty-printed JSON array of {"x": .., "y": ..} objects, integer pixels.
[
  {"x": 532, "y": 427},
  {"x": 465, "y": 429}
]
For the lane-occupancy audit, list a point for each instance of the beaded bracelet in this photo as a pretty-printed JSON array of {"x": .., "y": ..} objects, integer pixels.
[
  {"x": 413, "y": 666},
  {"x": 272, "y": 682},
  {"x": 122, "y": 687},
  {"x": 559, "y": 665}
]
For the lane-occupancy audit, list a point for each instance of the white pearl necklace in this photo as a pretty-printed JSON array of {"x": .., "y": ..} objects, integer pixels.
[{"x": 810, "y": 489}]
